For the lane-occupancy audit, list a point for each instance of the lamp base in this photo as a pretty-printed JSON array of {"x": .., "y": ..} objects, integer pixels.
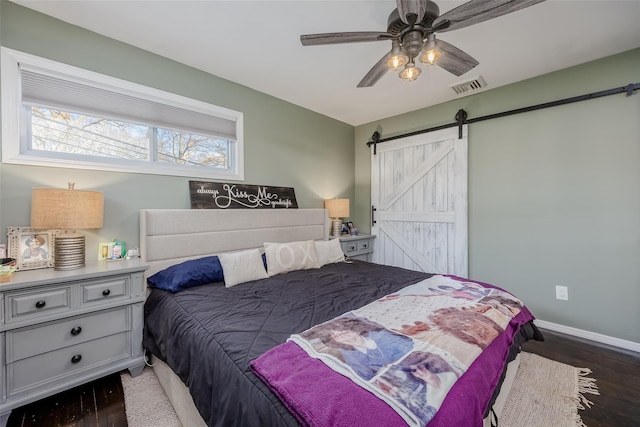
[
  {"x": 69, "y": 252},
  {"x": 336, "y": 227}
]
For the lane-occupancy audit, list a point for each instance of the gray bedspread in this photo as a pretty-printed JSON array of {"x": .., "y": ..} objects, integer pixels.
[{"x": 208, "y": 334}]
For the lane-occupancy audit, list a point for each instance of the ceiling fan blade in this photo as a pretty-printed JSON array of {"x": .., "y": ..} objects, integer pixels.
[
  {"x": 453, "y": 59},
  {"x": 349, "y": 37},
  {"x": 411, "y": 7},
  {"x": 476, "y": 11},
  {"x": 376, "y": 72}
]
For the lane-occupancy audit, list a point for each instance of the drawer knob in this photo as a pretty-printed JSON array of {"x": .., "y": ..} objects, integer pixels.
[
  {"x": 106, "y": 292},
  {"x": 76, "y": 358},
  {"x": 76, "y": 330},
  {"x": 41, "y": 303}
]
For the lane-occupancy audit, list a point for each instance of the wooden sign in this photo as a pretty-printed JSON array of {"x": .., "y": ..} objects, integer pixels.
[{"x": 222, "y": 195}]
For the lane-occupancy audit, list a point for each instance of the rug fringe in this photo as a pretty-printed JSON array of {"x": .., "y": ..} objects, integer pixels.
[{"x": 585, "y": 385}]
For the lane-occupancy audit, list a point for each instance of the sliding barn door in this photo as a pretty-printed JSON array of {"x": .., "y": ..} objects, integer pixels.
[{"x": 419, "y": 198}]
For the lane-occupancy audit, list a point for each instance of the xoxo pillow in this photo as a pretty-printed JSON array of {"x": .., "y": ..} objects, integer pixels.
[{"x": 292, "y": 256}]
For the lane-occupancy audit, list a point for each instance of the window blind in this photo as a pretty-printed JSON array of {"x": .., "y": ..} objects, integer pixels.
[{"x": 69, "y": 93}]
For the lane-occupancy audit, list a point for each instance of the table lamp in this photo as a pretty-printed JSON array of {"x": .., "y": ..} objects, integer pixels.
[
  {"x": 67, "y": 210},
  {"x": 338, "y": 208}
]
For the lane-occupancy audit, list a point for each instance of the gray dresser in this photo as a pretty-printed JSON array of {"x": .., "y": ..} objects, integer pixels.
[
  {"x": 357, "y": 247},
  {"x": 60, "y": 329}
]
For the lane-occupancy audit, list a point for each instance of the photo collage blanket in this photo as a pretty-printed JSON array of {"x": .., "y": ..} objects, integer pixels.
[{"x": 410, "y": 347}]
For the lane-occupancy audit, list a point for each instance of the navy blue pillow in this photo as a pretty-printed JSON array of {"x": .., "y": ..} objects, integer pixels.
[{"x": 190, "y": 273}]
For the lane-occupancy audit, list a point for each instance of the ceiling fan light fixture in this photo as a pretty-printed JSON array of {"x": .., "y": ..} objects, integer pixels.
[
  {"x": 398, "y": 58},
  {"x": 430, "y": 53},
  {"x": 412, "y": 26},
  {"x": 410, "y": 72}
]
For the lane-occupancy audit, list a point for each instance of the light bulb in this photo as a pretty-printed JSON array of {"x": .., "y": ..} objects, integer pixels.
[
  {"x": 396, "y": 61},
  {"x": 430, "y": 56},
  {"x": 398, "y": 58},
  {"x": 430, "y": 53},
  {"x": 410, "y": 72}
]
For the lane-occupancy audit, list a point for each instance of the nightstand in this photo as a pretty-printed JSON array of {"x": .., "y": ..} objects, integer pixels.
[
  {"x": 357, "y": 247},
  {"x": 60, "y": 329}
]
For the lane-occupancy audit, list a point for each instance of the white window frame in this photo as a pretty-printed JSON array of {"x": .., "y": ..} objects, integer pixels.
[{"x": 14, "y": 135}]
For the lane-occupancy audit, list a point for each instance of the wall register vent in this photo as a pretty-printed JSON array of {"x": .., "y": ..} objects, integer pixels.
[{"x": 468, "y": 86}]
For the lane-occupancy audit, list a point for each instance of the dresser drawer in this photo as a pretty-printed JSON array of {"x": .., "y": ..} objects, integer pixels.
[
  {"x": 45, "y": 369},
  {"x": 363, "y": 245},
  {"x": 34, "y": 304},
  {"x": 97, "y": 292},
  {"x": 27, "y": 342},
  {"x": 349, "y": 247}
]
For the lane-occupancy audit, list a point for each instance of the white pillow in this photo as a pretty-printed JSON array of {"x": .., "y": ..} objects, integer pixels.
[
  {"x": 240, "y": 267},
  {"x": 329, "y": 251},
  {"x": 292, "y": 256}
]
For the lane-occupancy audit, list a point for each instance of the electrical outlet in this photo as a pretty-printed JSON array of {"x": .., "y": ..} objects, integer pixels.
[{"x": 562, "y": 292}]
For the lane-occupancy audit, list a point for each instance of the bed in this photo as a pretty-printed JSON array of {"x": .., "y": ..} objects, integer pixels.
[{"x": 207, "y": 341}]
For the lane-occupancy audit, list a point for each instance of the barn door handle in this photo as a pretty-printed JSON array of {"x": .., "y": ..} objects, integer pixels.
[{"x": 373, "y": 221}]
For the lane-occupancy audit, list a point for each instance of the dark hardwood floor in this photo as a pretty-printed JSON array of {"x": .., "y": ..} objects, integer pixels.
[
  {"x": 96, "y": 404},
  {"x": 101, "y": 403}
]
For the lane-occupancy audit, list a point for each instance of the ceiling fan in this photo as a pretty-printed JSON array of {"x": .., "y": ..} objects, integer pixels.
[{"x": 411, "y": 28}]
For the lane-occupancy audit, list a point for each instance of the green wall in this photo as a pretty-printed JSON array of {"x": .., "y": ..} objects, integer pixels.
[
  {"x": 285, "y": 145},
  {"x": 554, "y": 195}
]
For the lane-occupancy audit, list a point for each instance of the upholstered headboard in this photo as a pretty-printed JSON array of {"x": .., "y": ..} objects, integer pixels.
[{"x": 170, "y": 236}]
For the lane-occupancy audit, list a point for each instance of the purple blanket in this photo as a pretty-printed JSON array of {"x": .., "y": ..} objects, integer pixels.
[{"x": 318, "y": 396}]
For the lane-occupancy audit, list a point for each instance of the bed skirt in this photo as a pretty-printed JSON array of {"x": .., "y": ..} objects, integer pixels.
[{"x": 182, "y": 403}]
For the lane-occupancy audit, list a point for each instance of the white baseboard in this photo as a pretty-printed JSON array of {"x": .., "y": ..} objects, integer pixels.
[{"x": 605, "y": 339}]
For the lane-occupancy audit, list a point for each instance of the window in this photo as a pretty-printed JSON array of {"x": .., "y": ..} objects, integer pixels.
[{"x": 57, "y": 115}]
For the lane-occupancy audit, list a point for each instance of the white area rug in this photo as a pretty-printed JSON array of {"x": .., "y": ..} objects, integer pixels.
[
  {"x": 545, "y": 393},
  {"x": 145, "y": 402}
]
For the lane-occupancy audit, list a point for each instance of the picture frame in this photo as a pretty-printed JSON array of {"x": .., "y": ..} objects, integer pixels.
[
  {"x": 31, "y": 248},
  {"x": 352, "y": 230},
  {"x": 105, "y": 250}
]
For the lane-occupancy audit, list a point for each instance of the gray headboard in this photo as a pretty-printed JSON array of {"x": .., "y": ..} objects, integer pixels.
[{"x": 170, "y": 236}]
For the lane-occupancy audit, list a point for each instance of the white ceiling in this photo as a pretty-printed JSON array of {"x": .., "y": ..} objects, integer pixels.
[{"x": 256, "y": 44}]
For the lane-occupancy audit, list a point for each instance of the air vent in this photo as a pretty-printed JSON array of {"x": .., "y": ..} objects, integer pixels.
[{"x": 469, "y": 86}]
